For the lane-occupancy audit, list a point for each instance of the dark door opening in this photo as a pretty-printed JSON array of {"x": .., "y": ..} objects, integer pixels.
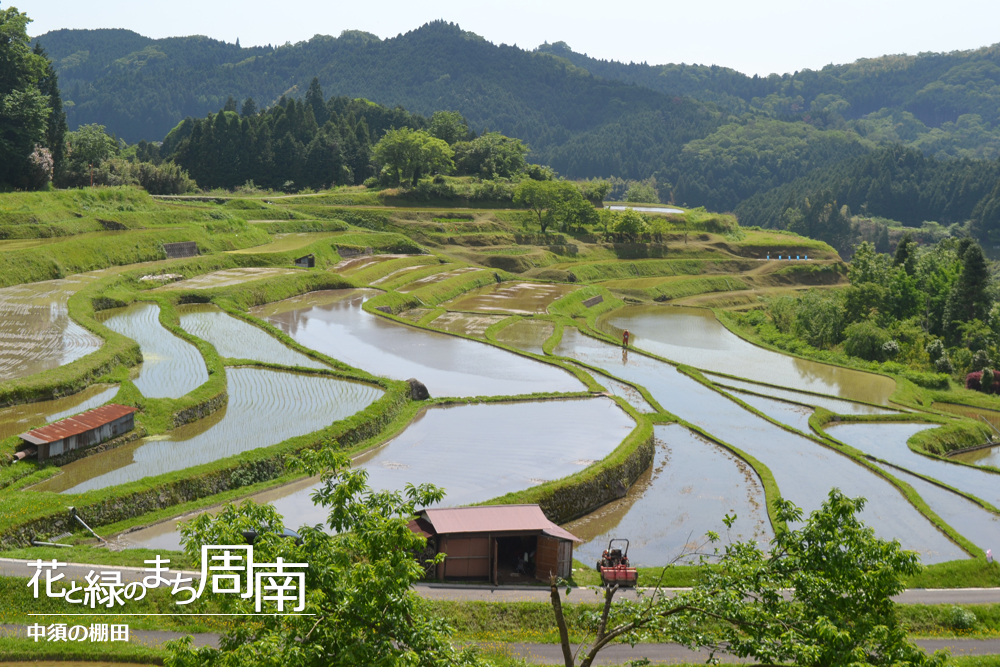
[{"x": 515, "y": 559}]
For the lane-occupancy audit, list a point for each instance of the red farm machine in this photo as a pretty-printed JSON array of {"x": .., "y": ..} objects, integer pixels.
[{"x": 614, "y": 566}]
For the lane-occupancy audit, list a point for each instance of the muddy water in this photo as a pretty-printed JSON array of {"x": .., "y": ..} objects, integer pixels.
[
  {"x": 971, "y": 520},
  {"x": 475, "y": 452},
  {"x": 527, "y": 335},
  {"x": 466, "y": 323},
  {"x": 693, "y": 336},
  {"x": 171, "y": 366},
  {"x": 511, "y": 297},
  {"x": 333, "y": 323},
  {"x": 237, "y": 339},
  {"x": 979, "y": 414},
  {"x": 888, "y": 442},
  {"x": 981, "y": 457},
  {"x": 692, "y": 485},
  {"x": 832, "y": 404},
  {"x": 227, "y": 277},
  {"x": 20, "y": 418},
  {"x": 36, "y": 332},
  {"x": 805, "y": 471},
  {"x": 789, "y": 414},
  {"x": 265, "y": 407}
]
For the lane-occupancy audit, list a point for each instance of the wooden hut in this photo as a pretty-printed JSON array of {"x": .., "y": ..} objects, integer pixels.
[
  {"x": 87, "y": 429},
  {"x": 497, "y": 543}
]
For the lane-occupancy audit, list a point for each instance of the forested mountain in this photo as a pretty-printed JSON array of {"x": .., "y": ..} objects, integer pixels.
[
  {"x": 946, "y": 104},
  {"x": 895, "y": 182},
  {"x": 141, "y": 88}
]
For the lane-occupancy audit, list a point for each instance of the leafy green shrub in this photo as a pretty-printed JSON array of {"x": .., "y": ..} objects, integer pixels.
[
  {"x": 961, "y": 619},
  {"x": 866, "y": 340},
  {"x": 927, "y": 380},
  {"x": 935, "y": 350},
  {"x": 943, "y": 365}
]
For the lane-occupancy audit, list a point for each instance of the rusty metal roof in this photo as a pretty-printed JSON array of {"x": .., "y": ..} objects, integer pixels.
[
  {"x": 494, "y": 519},
  {"x": 81, "y": 423}
]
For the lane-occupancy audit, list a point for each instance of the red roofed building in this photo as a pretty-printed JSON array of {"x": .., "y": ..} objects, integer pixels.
[
  {"x": 84, "y": 430},
  {"x": 497, "y": 543}
]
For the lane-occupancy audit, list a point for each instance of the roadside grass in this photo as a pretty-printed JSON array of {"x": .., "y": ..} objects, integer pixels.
[{"x": 22, "y": 649}]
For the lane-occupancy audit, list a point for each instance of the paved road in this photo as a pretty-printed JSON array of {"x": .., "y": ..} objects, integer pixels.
[{"x": 14, "y": 567}]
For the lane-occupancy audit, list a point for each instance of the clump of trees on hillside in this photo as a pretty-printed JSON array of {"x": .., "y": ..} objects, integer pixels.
[{"x": 926, "y": 309}]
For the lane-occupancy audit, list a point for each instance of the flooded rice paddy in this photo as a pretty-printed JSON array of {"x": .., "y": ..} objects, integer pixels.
[
  {"x": 227, "y": 278},
  {"x": 511, "y": 297},
  {"x": 355, "y": 264},
  {"x": 527, "y": 335},
  {"x": 835, "y": 405},
  {"x": 171, "y": 366},
  {"x": 20, "y": 418},
  {"x": 332, "y": 322},
  {"x": 971, "y": 520},
  {"x": 695, "y": 337},
  {"x": 987, "y": 456},
  {"x": 36, "y": 332},
  {"x": 265, "y": 407},
  {"x": 991, "y": 417},
  {"x": 466, "y": 323},
  {"x": 789, "y": 414},
  {"x": 691, "y": 486},
  {"x": 888, "y": 442},
  {"x": 237, "y": 339},
  {"x": 804, "y": 470},
  {"x": 475, "y": 452}
]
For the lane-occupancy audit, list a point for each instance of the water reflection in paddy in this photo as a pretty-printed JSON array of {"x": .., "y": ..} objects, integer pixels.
[
  {"x": 20, "y": 418},
  {"x": 265, "y": 407},
  {"x": 805, "y": 471},
  {"x": 790, "y": 414},
  {"x": 888, "y": 442},
  {"x": 832, "y": 404},
  {"x": 694, "y": 336},
  {"x": 527, "y": 335},
  {"x": 171, "y": 366},
  {"x": 692, "y": 485},
  {"x": 475, "y": 452},
  {"x": 36, "y": 332},
  {"x": 333, "y": 323},
  {"x": 991, "y": 417},
  {"x": 237, "y": 339},
  {"x": 987, "y": 456},
  {"x": 971, "y": 520}
]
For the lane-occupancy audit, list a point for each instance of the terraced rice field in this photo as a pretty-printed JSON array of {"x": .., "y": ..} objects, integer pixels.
[
  {"x": 286, "y": 243},
  {"x": 265, "y": 407},
  {"x": 803, "y": 470},
  {"x": 475, "y": 452},
  {"x": 693, "y": 336},
  {"x": 333, "y": 322},
  {"x": 436, "y": 278},
  {"x": 466, "y": 323},
  {"x": 511, "y": 297},
  {"x": 36, "y": 332},
  {"x": 227, "y": 277},
  {"x": 836, "y": 405},
  {"x": 527, "y": 335},
  {"x": 237, "y": 339},
  {"x": 171, "y": 367},
  {"x": 691, "y": 486}
]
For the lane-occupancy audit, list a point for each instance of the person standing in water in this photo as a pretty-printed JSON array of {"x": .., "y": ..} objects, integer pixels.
[{"x": 625, "y": 336}]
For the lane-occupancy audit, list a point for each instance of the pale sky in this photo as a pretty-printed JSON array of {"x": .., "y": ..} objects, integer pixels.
[{"x": 762, "y": 37}]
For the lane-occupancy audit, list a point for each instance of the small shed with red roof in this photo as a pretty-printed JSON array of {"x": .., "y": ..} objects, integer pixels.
[
  {"x": 86, "y": 429},
  {"x": 497, "y": 543}
]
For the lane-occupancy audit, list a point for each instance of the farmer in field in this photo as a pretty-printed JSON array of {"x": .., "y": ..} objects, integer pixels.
[{"x": 625, "y": 336}]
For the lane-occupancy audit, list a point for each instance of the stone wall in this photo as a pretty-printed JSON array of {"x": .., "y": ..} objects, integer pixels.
[{"x": 575, "y": 500}]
